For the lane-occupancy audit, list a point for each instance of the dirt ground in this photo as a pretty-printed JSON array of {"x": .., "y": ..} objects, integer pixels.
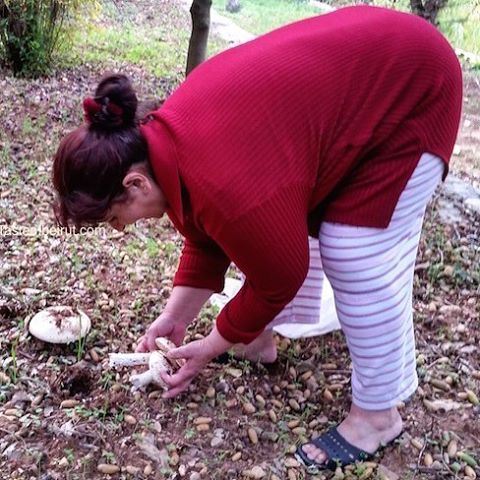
[{"x": 64, "y": 414}]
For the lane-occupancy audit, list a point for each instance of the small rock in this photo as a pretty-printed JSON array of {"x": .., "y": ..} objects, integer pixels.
[
  {"x": 249, "y": 408},
  {"x": 94, "y": 355},
  {"x": 13, "y": 412},
  {"x": 273, "y": 416},
  {"x": 210, "y": 392},
  {"x": 107, "y": 468},
  {"x": 202, "y": 420},
  {"x": 132, "y": 470},
  {"x": 448, "y": 271},
  {"x": 450, "y": 309},
  {"x": 294, "y": 404},
  {"x": 327, "y": 395},
  {"x": 470, "y": 472},
  {"x": 195, "y": 476},
  {"x": 216, "y": 442},
  {"x": 472, "y": 397},
  {"x": 416, "y": 443},
  {"x": 148, "y": 470},
  {"x": 270, "y": 436},
  {"x": 292, "y": 474},
  {"x": 203, "y": 427},
  {"x": 63, "y": 462},
  {"x": 234, "y": 372},
  {"x": 70, "y": 403},
  {"x": 130, "y": 419},
  {"x": 291, "y": 463},
  {"x": 256, "y": 472},
  {"x": 427, "y": 460},
  {"x": 452, "y": 448},
  {"x": 252, "y": 435},
  {"x": 441, "y": 384},
  {"x": 236, "y": 456}
]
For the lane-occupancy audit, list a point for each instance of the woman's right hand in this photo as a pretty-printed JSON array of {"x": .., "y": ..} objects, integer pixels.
[{"x": 164, "y": 326}]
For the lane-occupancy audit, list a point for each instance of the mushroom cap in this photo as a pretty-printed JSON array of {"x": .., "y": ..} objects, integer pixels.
[
  {"x": 59, "y": 324},
  {"x": 158, "y": 364},
  {"x": 164, "y": 345}
]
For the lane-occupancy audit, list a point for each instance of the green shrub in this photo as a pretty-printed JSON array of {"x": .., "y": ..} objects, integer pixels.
[{"x": 30, "y": 31}]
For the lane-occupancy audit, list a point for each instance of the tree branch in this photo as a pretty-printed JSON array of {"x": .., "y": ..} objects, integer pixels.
[{"x": 197, "y": 47}]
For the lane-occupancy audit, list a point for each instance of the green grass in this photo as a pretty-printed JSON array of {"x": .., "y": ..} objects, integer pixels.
[
  {"x": 146, "y": 49},
  {"x": 260, "y": 16},
  {"x": 461, "y": 24},
  {"x": 459, "y": 20},
  {"x": 111, "y": 34}
]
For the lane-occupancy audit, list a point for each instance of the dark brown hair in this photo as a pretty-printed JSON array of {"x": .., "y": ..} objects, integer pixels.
[{"x": 92, "y": 161}]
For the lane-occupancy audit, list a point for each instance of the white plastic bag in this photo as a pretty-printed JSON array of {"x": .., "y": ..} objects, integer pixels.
[{"x": 312, "y": 312}]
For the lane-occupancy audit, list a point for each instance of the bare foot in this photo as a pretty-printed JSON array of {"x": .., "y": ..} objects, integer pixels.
[
  {"x": 365, "y": 429},
  {"x": 263, "y": 349}
]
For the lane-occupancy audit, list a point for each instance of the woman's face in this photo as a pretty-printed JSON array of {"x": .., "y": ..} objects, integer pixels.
[{"x": 143, "y": 199}]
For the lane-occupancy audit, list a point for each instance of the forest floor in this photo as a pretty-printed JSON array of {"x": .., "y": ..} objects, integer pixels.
[{"x": 64, "y": 412}]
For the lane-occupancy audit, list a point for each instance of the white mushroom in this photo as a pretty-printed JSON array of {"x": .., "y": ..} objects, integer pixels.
[
  {"x": 157, "y": 361},
  {"x": 60, "y": 324},
  {"x": 134, "y": 359},
  {"x": 164, "y": 345},
  {"x": 128, "y": 359},
  {"x": 157, "y": 365}
]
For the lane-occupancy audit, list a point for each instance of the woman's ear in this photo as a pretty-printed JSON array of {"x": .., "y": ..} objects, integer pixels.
[{"x": 137, "y": 179}]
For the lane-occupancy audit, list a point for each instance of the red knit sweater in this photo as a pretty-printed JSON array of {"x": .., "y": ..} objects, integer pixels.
[{"x": 323, "y": 119}]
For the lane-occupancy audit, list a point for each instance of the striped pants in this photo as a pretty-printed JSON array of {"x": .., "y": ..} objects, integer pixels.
[{"x": 371, "y": 272}]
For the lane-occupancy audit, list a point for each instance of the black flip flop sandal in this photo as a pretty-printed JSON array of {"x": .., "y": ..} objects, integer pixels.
[{"x": 340, "y": 452}]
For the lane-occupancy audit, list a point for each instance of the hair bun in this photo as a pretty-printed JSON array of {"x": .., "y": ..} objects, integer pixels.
[{"x": 114, "y": 105}]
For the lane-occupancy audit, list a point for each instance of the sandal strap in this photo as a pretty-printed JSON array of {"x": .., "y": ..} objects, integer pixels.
[{"x": 338, "y": 449}]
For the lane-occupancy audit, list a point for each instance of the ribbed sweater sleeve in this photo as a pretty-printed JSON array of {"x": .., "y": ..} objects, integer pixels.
[
  {"x": 202, "y": 265},
  {"x": 269, "y": 243}
]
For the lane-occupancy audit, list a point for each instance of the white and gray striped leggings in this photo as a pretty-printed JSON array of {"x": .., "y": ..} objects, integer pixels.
[{"x": 371, "y": 273}]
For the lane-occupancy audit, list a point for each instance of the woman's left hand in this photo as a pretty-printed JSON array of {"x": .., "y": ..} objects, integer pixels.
[{"x": 197, "y": 354}]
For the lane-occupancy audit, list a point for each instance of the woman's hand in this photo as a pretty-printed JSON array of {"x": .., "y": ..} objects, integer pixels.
[
  {"x": 166, "y": 326},
  {"x": 197, "y": 354},
  {"x": 182, "y": 307}
]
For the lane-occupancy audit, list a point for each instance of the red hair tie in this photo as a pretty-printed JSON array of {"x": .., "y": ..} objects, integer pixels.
[
  {"x": 114, "y": 108},
  {"x": 91, "y": 107}
]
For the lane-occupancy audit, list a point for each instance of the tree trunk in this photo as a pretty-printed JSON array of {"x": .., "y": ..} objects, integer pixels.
[
  {"x": 197, "y": 48},
  {"x": 427, "y": 9}
]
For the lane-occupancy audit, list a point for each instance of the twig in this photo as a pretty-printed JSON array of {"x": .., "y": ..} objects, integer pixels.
[
  {"x": 447, "y": 467},
  {"x": 344, "y": 372},
  {"x": 418, "y": 467}
]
